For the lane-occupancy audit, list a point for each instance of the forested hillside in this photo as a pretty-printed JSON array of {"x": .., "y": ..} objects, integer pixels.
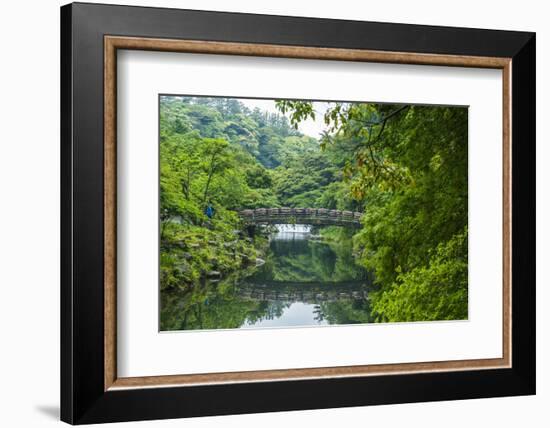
[{"x": 216, "y": 152}]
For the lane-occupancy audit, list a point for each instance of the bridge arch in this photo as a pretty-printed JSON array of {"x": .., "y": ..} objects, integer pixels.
[{"x": 311, "y": 216}]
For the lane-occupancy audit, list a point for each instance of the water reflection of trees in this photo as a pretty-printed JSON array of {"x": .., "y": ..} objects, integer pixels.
[
  {"x": 295, "y": 271},
  {"x": 304, "y": 260},
  {"x": 346, "y": 312},
  {"x": 225, "y": 306}
]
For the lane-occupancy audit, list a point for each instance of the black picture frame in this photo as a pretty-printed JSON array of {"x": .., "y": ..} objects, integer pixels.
[{"x": 83, "y": 398}]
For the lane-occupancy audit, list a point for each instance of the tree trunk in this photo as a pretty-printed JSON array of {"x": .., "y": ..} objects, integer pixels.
[
  {"x": 210, "y": 174},
  {"x": 186, "y": 185}
]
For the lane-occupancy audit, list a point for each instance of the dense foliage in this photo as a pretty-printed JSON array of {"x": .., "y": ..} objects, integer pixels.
[
  {"x": 409, "y": 170},
  {"x": 215, "y": 152},
  {"x": 404, "y": 167}
]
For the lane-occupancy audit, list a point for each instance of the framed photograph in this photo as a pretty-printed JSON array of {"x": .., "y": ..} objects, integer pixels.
[{"x": 266, "y": 213}]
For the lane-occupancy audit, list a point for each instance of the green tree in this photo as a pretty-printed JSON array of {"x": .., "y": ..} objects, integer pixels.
[
  {"x": 409, "y": 171},
  {"x": 214, "y": 153}
]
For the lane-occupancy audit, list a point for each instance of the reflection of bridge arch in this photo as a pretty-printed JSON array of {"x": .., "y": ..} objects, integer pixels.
[
  {"x": 304, "y": 292},
  {"x": 311, "y": 216}
]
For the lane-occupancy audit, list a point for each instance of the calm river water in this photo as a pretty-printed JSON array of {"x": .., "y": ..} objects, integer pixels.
[{"x": 303, "y": 282}]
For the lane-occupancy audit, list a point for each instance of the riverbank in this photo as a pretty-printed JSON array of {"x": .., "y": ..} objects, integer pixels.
[
  {"x": 303, "y": 282},
  {"x": 191, "y": 253}
]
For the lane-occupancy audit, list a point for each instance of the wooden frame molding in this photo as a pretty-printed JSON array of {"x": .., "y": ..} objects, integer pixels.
[{"x": 113, "y": 43}]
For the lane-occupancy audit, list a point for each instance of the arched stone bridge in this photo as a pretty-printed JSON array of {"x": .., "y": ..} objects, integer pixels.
[{"x": 312, "y": 216}]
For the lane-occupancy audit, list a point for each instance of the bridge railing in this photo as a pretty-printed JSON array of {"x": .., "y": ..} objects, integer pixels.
[{"x": 260, "y": 214}]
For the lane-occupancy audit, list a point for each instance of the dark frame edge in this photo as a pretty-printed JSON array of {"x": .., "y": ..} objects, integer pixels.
[
  {"x": 66, "y": 129},
  {"x": 82, "y": 397},
  {"x": 524, "y": 214}
]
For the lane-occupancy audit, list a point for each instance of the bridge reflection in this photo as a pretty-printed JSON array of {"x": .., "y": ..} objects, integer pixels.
[{"x": 311, "y": 293}]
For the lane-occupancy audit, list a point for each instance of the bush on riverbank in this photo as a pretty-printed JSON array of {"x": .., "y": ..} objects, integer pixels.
[
  {"x": 190, "y": 253},
  {"x": 208, "y": 164}
]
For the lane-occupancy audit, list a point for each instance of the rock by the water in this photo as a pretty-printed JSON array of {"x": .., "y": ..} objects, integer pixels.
[
  {"x": 183, "y": 267},
  {"x": 259, "y": 261}
]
